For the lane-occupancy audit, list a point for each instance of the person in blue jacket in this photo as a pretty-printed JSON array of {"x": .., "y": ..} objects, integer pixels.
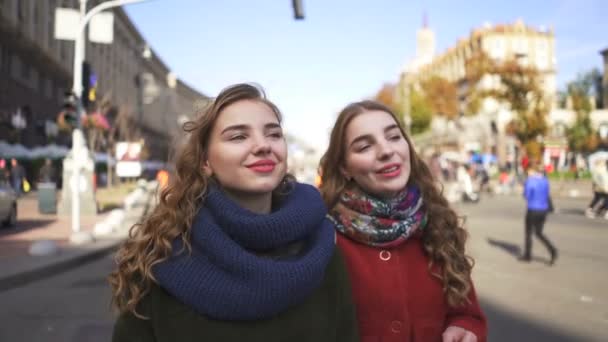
[{"x": 538, "y": 197}]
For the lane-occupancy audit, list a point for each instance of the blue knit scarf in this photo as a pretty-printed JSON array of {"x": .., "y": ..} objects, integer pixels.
[{"x": 223, "y": 278}]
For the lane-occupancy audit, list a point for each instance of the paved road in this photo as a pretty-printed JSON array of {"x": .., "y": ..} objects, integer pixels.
[
  {"x": 524, "y": 302},
  {"x": 70, "y": 307},
  {"x": 535, "y": 302}
]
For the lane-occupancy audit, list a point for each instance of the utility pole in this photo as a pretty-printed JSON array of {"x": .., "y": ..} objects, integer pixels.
[{"x": 79, "y": 148}]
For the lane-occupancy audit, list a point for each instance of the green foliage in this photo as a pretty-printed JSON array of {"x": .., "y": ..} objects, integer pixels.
[
  {"x": 525, "y": 96},
  {"x": 520, "y": 89},
  {"x": 581, "y": 135},
  {"x": 568, "y": 175},
  {"x": 421, "y": 112}
]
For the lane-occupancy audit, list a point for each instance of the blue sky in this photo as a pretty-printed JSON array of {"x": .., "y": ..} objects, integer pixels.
[{"x": 345, "y": 49}]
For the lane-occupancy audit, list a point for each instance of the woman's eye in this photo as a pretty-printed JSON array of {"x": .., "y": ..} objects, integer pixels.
[
  {"x": 238, "y": 137},
  {"x": 363, "y": 148},
  {"x": 395, "y": 137},
  {"x": 276, "y": 135}
]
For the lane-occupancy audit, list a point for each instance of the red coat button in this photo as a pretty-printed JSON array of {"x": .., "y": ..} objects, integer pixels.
[{"x": 396, "y": 326}]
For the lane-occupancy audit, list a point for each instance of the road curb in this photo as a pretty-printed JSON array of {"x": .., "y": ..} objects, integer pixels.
[
  {"x": 73, "y": 258},
  {"x": 54, "y": 267}
]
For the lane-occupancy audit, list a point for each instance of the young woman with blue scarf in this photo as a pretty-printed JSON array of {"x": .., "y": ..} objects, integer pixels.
[
  {"x": 403, "y": 244},
  {"x": 236, "y": 250}
]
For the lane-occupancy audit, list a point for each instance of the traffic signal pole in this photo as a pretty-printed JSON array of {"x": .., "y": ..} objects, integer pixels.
[{"x": 79, "y": 149}]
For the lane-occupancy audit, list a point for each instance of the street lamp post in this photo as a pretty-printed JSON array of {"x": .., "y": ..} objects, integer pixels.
[{"x": 79, "y": 149}]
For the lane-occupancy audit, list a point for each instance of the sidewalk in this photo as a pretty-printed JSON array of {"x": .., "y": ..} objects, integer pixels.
[
  {"x": 18, "y": 267},
  {"x": 580, "y": 188}
]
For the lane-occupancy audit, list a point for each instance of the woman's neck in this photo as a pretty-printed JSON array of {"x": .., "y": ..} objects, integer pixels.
[{"x": 257, "y": 203}]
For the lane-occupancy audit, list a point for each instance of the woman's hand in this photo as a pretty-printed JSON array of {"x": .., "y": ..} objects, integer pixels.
[{"x": 458, "y": 334}]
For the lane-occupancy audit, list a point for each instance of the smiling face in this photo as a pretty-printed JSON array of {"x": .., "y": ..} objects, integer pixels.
[
  {"x": 377, "y": 154},
  {"x": 247, "y": 152}
]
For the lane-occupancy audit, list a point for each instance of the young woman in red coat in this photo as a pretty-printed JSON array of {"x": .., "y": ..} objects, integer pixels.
[{"x": 404, "y": 245}]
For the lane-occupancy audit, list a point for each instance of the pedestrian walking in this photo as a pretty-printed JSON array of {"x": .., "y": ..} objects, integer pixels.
[
  {"x": 47, "y": 172},
  {"x": 4, "y": 172},
  {"x": 404, "y": 245},
  {"x": 17, "y": 176},
  {"x": 236, "y": 249},
  {"x": 599, "y": 178},
  {"x": 465, "y": 183},
  {"x": 538, "y": 197}
]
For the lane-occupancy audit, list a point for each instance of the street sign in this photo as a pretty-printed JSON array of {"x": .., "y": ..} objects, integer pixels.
[
  {"x": 66, "y": 23},
  {"x": 128, "y": 156},
  {"x": 101, "y": 28}
]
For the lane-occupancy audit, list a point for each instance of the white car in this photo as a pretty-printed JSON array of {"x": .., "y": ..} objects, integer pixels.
[{"x": 8, "y": 205}]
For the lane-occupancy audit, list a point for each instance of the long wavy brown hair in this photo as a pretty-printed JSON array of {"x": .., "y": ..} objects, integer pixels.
[
  {"x": 149, "y": 241},
  {"x": 443, "y": 238}
]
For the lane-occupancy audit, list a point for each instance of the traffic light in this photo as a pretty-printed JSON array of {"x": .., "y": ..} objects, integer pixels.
[
  {"x": 68, "y": 117},
  {"x": 298, "y": 9},
  {"x": 86, "y": 76},
  {"x": 89, "y": 86}
]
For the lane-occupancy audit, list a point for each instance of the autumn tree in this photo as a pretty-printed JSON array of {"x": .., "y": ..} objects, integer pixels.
[
  {"x": 442, "y": 96},
  {"x": 581, "y": 135},
  {"x": 421, "y": 112},
  {"x": 386, "y": 95},
  {"x": 418, "y": 106},
  {"x": 478, "y": 66},
  {"x": 519, "y": 88},
  {"x": 522, "y": 91}
]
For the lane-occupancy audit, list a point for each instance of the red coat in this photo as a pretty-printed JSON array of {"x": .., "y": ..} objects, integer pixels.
[{"x": 397, "y": 299}]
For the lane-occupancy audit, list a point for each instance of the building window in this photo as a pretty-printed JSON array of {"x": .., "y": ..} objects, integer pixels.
[
  {"x": 541, "y": 44},
  {"x": 558, "y": 130},
  {"x": 63, "y": 51},
  {"x": 33, "y": 80},
  {"x": 497, "y": 48},
  {"x": 35, "y": 22},
  {"x": 5, "y": 61},
  {"x": 25, "y": 72},
  {"x": 50, "y": 19},
  {"x": 16, "y": 67},
  {"x": 541, "y": 60},
  {"x": 603, "y": 130},
  {"x": 48, "y": 88},
  {"x": 20, "y": 12},
  {"x": 41, "y": 84},
  {"x": 519, "y": 46}
]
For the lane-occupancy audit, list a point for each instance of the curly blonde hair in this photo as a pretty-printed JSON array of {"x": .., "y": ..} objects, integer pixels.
[
  {"x": 444, "y": 236},
  {"x": 149, "y": 241}
]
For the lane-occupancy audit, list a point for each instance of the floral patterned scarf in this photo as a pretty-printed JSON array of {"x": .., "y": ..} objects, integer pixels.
[{"x": 378, "y": 222}]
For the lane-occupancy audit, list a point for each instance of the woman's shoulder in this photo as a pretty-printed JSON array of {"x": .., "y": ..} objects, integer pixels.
[
  {"x": 156, "y": 301},
  {"x": 336, "y": 273},
  {"x": 336, "y": 263}
]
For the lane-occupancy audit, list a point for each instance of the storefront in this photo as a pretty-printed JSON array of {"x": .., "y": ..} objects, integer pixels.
[{"x": 555, "y": 155}]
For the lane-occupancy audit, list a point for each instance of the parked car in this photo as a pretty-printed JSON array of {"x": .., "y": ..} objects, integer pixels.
[{"x": 8, "y": 205}]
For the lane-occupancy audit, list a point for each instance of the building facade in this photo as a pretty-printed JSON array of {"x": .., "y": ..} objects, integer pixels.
[
  {"x": 36, "y": 71},
  {"x": 604, "y": 54},
  {"x": 528, "y": 45}
]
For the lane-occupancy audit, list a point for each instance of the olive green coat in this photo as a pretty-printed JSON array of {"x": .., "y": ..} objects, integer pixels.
[{"x": 328, "y": 315}]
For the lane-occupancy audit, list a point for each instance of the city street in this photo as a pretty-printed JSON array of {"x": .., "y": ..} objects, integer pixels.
[
  {"x": 524, "y": 302},
  {"x": 536, "y": 302}
]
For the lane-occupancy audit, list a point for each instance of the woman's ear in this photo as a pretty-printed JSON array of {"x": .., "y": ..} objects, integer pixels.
[
  {"x": 345, "y": 173},
  {"x": 207, "y": 169}
]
